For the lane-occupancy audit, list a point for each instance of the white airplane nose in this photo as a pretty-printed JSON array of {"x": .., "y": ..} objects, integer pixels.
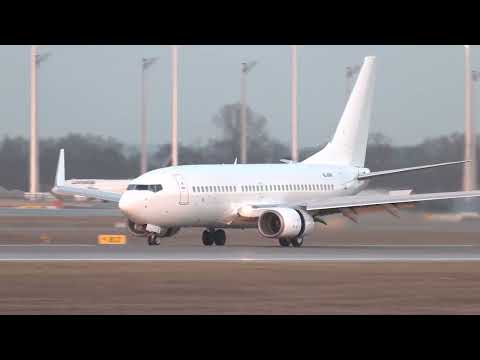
[{"x": 130, "y": 204}]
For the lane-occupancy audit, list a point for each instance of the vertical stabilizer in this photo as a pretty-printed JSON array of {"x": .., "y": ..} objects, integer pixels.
[
  {"x": 60, "y": 176},
  {"x": 349, "y": 144}
]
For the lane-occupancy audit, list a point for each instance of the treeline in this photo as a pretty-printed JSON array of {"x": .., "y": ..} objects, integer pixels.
[{"x": 90, "y": 156}]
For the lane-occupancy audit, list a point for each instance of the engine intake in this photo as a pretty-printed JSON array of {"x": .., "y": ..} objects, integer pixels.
[{"x": 285, "y": 223}]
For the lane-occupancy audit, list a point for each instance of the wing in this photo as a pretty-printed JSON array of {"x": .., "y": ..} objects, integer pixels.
[
  {"x": 348, "y": 205},
  {"x": 387, "y": 199},
  {"x": 90, "y": 193}
]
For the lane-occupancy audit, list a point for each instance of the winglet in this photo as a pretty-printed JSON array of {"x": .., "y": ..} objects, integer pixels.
[
  {"x": 60, "y": 175},
  {"x": 235, "y": 162}
]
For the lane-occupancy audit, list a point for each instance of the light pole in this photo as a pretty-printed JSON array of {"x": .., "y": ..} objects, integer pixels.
[
  {"x": 351, "y": 72},
  {"x": 475, "y": 78},
  {"x": 35, "y": 61},
  {"x": 174, "y": 105},
  {"x": 146, "y": 64},
  {"x": 294, "y": 103},
  {"x": 246, "y": 68},
  {"x": 470, "y": 174}
]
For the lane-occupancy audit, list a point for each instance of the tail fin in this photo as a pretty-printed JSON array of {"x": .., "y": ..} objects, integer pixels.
[
  {"x": 349, "y": 144},
  {"x": 60, "y": 176}
]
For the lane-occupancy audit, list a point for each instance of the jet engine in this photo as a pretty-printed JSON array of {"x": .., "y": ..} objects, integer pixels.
[{"x": 285, "y": 223}]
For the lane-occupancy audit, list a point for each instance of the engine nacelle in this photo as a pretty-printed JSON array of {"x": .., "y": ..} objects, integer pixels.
[
  {"x": 285, "y": 223},
  {"x": 136, "y": 229}
]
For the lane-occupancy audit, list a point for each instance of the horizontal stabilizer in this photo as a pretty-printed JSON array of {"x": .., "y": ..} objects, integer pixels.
[{"x": 404, "y": 170}]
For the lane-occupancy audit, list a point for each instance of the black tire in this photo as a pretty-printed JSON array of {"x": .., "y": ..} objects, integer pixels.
[
  {"x": 208, "y": 238},
  {"x": 220, "y": 237},
  {"x": 153, "y": 240},
  {"x": 284, "y": 242},
  {"x": 297, "y": 242}
]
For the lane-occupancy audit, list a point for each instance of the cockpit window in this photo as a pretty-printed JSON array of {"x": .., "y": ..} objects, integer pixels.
[{"x": 153, "y": 188}]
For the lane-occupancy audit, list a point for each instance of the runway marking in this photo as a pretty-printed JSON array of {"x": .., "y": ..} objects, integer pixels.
[
  {"x": 399, "y": 245},
  {"x": 249, "y": 260},
  {"x": 47, "y": 245}
]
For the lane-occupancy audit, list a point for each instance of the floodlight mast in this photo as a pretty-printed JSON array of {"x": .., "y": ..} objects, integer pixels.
[
  {"x": 174, "y": 151},
  {"x": 294, "y": 103},
  {"x": 470, "y": 168},
  {"x": 246, "y": 68},
  {"x": 146, "y": 64},
  {"x": 35, "y": 60}
]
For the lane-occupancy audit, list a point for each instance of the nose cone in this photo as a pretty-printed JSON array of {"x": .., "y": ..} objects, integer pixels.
[{"x": 131, "y": 205}]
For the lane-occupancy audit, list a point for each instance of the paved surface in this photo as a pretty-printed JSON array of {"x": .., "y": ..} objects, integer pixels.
[
  {"x": 384, "y": 265},
  {"x": 372, "y": 253},
  {"x": 239, "y": 288}
]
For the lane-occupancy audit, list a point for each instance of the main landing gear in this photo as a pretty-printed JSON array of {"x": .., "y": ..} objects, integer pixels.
[
  {"x": 295, "y": 242},
  {"x": 153, "y": 239},
  {"x": 210, "y": 237}
]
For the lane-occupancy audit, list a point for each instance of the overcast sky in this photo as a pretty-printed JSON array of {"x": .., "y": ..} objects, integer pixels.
[{"x": 96, "y": 89}]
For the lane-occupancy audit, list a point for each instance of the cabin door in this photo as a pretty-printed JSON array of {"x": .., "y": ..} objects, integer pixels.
[{"x": 183, "y": 189}]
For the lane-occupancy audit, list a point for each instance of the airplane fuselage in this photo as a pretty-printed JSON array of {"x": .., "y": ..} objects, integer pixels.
[{"x": 211, "y": 195}]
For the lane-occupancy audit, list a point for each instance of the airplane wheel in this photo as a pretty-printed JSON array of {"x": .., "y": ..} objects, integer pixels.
[
  {"x": 220, "y": 237},
  {"x": 297, "y": 242},
  {"x": 153, "y": 240},
  {"x": 208, "y": 238},
  {"x": 284, "y": 242}
]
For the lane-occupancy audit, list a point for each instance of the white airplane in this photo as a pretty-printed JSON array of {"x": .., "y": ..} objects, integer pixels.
[
  {"x": 115, "y": 185},
  {"x": 284, "y": 201}
]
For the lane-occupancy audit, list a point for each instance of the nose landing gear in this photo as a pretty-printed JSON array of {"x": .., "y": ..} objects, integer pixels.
[
  {"x": 153, "y": 239},
  {"x": 210, "y": 237}
]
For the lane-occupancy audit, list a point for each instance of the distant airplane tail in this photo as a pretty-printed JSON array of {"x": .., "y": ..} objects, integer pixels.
[
  {"x": 349, "y": 144},
  {"x": 60, "y": 175}
]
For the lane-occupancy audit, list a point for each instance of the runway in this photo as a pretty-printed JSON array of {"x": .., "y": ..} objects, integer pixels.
[
  {"x": 345, "y": 253},
  {"x": 51, "y": 263}
]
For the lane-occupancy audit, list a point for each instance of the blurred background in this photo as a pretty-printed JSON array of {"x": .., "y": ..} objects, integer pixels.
[{"x": 89, "y": 102}]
